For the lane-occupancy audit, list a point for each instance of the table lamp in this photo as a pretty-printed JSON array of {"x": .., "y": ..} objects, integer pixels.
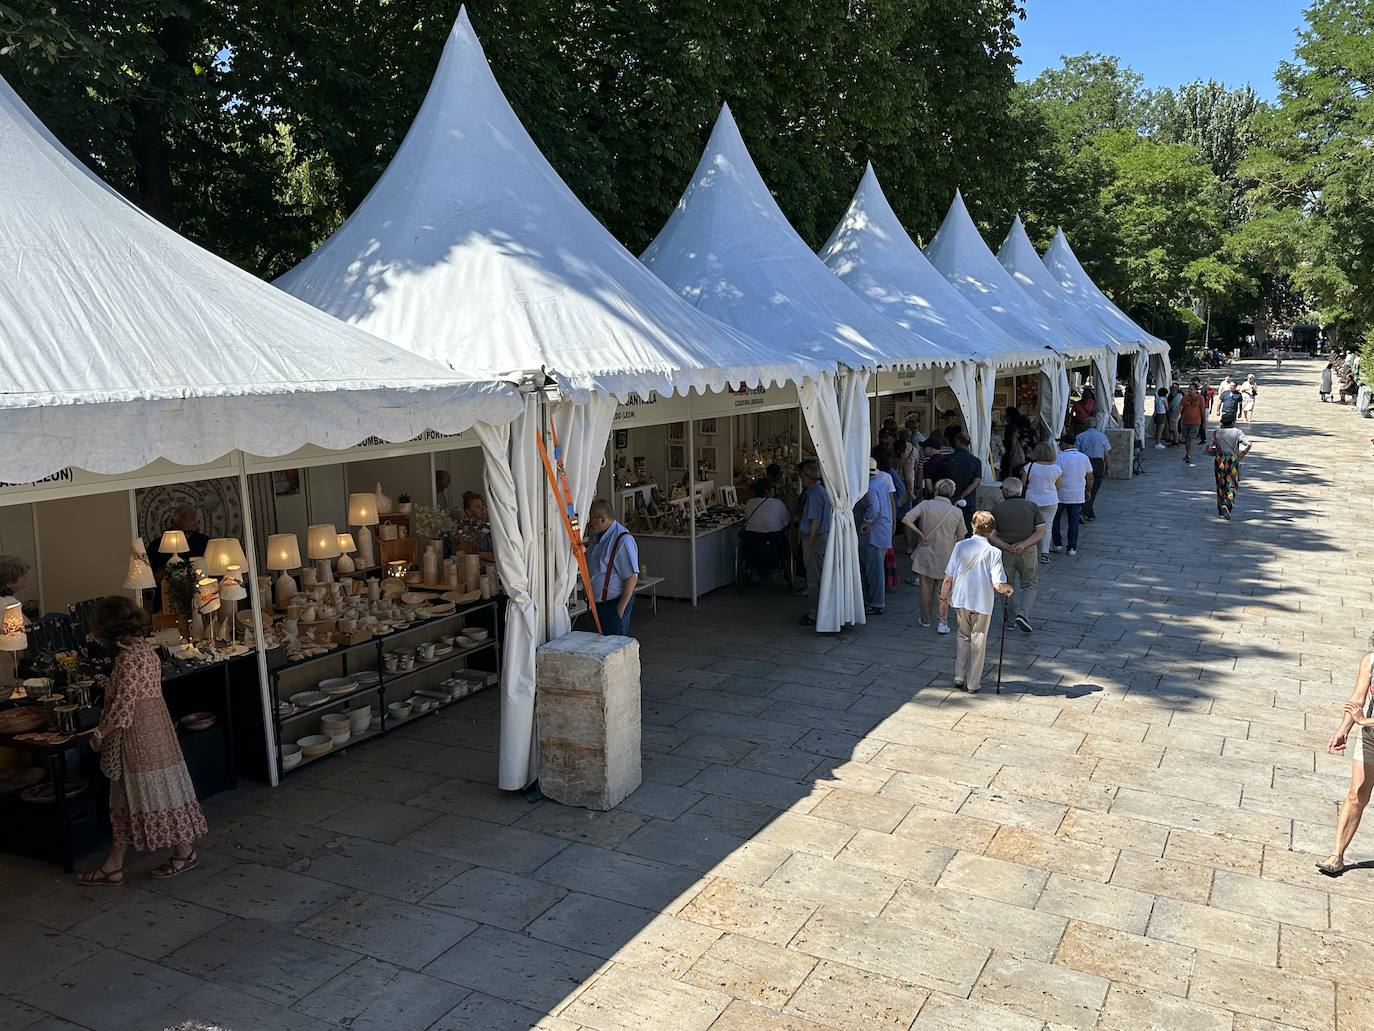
[
  {"x": 12, "y": 636},
  {"x": 322, "y": 544},
  {"x": 221, "y": 553},
  {"x": 231, "y": 589},
  {"x": 140, "y": 574},
  {"x": 174, "y": 544},
  {"x": 362, "y": 513},
  {"x": 283, "y": 554},
  {"x": 207, "y": 604},
  {"x": 346, "y": 565}
]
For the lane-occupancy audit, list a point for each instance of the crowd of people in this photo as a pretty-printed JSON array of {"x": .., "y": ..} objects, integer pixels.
[{"x": 1340, "y": 380}]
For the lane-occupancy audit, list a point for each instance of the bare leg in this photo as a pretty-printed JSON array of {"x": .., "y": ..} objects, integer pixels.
[{"x": 1361, "y": 784}]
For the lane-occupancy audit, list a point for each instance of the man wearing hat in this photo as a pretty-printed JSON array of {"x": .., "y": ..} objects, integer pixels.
[{"x": 874, "y": 516}]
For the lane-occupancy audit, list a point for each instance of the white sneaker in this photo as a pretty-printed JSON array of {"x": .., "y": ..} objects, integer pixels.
[
  {"x": 943, "y": 628},
  {"x": 1057, "y": 548},
  {"x": 1161, "y": 447},
  {"x": 924, "y": 622},
  {"x": 1073, "y": 551}
]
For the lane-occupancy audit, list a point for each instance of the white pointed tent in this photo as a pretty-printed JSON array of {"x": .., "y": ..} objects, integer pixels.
[
  {"x": 959, "y": 253},
  {"x": 872, "y": 254},
  {"x": 729, "y": 250},
  {"x": 122, "y": 342},
  {"x": 1088, "y": 338},
  {"x": 1078, "y": 285},
  {"x": 470, "y": 249}
]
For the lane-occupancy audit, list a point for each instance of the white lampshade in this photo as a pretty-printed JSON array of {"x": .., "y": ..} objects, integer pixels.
[
  {"x": 223, "y": 552},
  {"x": 283, "y": 551},
  {"x": 346, "y": 545},
  {"x": 322, "y": 541},
  {"x": 173, "y": 543},
  {"x": 362, "y": 509},
  {"x": 207, "y": 595},
  {"x": 140, "y": 574},
  {"x": 12, "y": 636},
  {"x": 232, "y": 590}
]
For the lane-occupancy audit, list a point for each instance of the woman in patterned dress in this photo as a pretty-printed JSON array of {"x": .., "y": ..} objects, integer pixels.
[
  {"x": 152, "y": 801},
  {"x": 1356, "y": 736}
]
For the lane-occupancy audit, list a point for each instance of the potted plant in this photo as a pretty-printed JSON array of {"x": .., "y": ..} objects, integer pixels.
[
  {"x": 403, "y": 503},
  {"x": 181, "y": 593}
]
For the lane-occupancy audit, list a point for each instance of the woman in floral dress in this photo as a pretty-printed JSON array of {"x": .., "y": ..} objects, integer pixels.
[{"x": 152, "y": 801}]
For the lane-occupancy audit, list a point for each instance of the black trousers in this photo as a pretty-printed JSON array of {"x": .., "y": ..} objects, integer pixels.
[{"x": 1099, "y": 474}]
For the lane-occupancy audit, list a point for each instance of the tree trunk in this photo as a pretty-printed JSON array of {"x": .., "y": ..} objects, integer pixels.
[{"x": 153, "y": 163}]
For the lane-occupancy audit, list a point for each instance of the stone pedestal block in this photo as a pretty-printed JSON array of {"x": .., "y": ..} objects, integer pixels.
[
  {"x": 1123, "y": 446},
  {"x": 589, "y": 722}
]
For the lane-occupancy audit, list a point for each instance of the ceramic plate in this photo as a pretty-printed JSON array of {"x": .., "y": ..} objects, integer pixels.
[{"x": 308, "y": 698}]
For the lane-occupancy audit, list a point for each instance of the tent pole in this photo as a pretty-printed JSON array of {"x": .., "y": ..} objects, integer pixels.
[
  {"x": 546, "y": 520},
  {"x": 692, "y": 493},
  {"x": 255, "y": 601}
]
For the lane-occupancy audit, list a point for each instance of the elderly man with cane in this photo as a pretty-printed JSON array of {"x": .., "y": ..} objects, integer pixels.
[{"x": 973, "y": 578}]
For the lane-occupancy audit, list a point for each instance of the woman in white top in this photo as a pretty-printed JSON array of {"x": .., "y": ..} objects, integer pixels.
[
  {"x": 973, "y": 579},
  {"x": 1042, "y": 488},
  {"x": 938, "y": 526},
  {"x": 764, "y": 540}
]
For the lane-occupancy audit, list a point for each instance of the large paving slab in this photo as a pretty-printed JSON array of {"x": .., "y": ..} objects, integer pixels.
[{"x": 828, "y": 836}]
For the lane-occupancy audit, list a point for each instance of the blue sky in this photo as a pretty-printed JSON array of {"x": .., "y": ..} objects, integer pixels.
[{"x": 1167, "y": 41}]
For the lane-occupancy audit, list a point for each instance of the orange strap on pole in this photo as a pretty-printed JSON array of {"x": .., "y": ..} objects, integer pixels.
[{"x": 562, "y": 492}]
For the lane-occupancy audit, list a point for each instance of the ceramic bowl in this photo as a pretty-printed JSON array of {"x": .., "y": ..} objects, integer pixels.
[
  {"x": 338, "y": 685},
  {"x": 341, "y": 738},
  {"x": 419, "y": 703},
  {"x": 290, "y": 756},
  {"x": 398, "y": 710},
  {"x": 198, "y": 721},
  {"x": 476, "y": 633},
  {"x": 315, "y": 744},
  {"x": 334, "y": 723}
]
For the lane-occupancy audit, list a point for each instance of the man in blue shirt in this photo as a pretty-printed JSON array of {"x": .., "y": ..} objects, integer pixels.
[
  {"x": 875, "y": 537},
  {"x": 1094, "y": 443},
  {"x": 814, "y": 527},
  {"x": 614, "y": 564}
]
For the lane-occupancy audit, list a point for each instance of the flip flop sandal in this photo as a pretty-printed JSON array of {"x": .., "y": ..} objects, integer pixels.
[
  {"x": 176, "y": 865},
  {"x": 1331, "y": 870},
  {"x": 94, "y": 878}
]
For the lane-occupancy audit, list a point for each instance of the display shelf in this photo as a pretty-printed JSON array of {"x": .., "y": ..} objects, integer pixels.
[
  {"x": 432, "y": 664},
  {"x": 400, "y": 721},
  {"x": 373, "y": 731},
  {"x": 292, "y": 677},
  {"x": 319, "y": 708}
]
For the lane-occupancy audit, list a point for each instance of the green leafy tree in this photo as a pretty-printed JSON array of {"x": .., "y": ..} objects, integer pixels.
[{"x": 1314, "y": 173}]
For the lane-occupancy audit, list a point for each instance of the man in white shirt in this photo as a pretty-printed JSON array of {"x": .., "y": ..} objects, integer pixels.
[
  {"x": 973, "y": 578},
  {"x": 1075, "y": 486}
]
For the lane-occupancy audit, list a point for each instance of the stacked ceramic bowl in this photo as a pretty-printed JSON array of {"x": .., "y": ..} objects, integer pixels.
[
  {"x": 360, "y": 719},
  {"x": 338, "y": 726},
  {"x": 290, "y": 756}
]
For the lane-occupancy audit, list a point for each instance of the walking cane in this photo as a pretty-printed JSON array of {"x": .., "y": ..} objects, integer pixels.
[{"x": 1001, "y": 648}]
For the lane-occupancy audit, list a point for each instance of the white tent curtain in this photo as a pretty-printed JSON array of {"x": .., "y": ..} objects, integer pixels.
[
  {"x": 1104, "y": 386},
  {"x": 1055, "y": 396},
  {"x": 982, "y": 432},
  {"x": 838, "y": 423},
  {"x": 583, "y": 430},
  {"x": 963, "y": 382},
  {"x": 1165, "y": 377},
  {"x": 515, "y": 490},
  {"x": 1140, "y": 367}
]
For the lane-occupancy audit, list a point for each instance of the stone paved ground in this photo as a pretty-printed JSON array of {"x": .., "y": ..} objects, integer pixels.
[{"x": 828, "y": 837}]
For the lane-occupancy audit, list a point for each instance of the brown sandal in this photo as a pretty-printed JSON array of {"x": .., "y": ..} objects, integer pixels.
[
  {"x": 1331, "y": 869},
  {"x": 102, "y": 876},
  {"x": 176, "y": 865}
]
